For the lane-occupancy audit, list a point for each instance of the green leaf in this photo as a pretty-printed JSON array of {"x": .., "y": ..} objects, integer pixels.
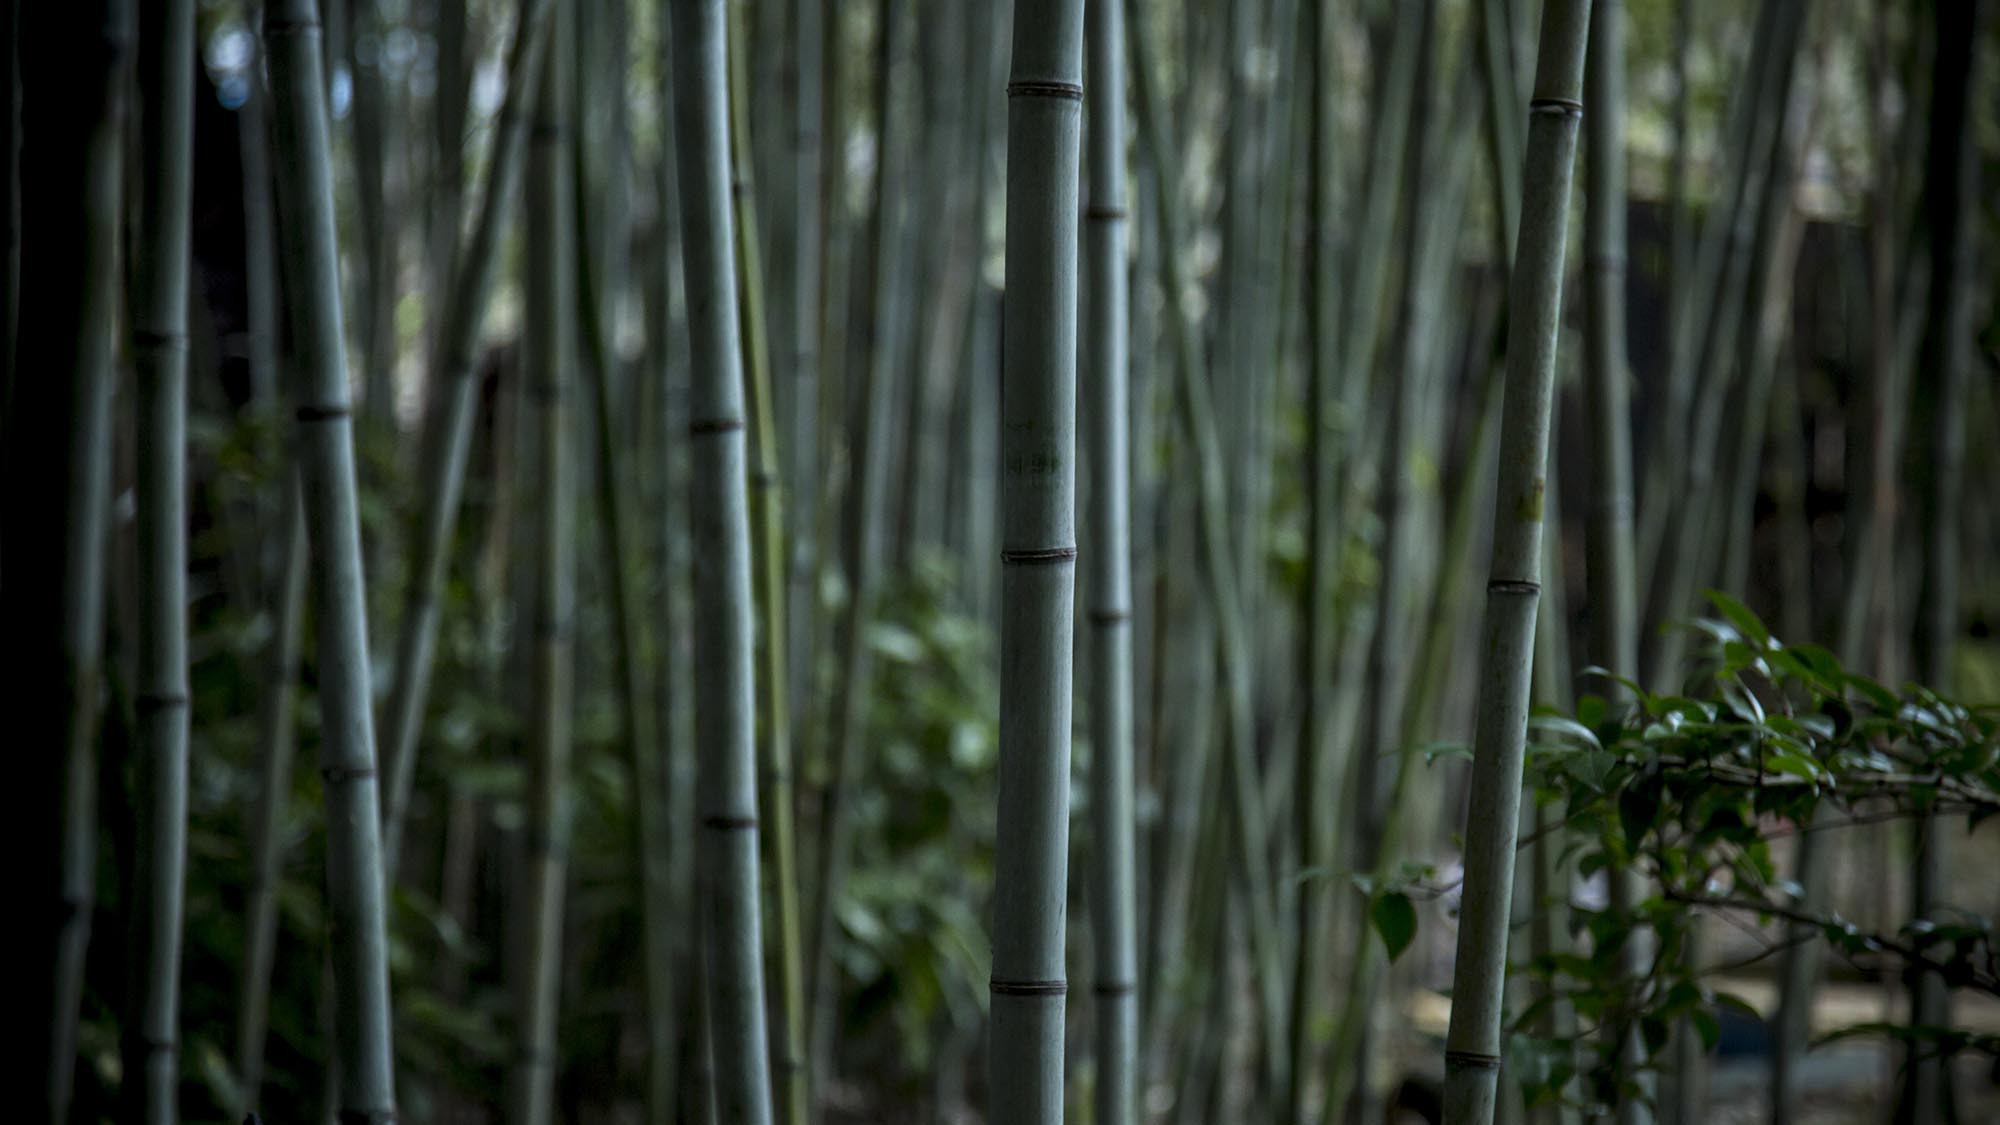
[
  {"x": 1740, "y": 616},
  {"x": 1395, "y": 918}
]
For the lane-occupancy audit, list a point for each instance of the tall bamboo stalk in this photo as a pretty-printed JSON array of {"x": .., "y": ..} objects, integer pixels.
[
  {"x": 1472, "y": 1055},
  {"x": 809, "y": 20},
  {"x": 1114, "y": 884},
  {"x": 1610, "y": 576},
  {"x": 549, "y": 353},
  {"x": 310, "y": 279},
  {"x": 456, "y": 396},
  {"x": 1950, "y": 185},
  {"x": 770, "y": 564},
  {"x": 1038, "y": 560},
  {"x": 58, "y": 435},
  {"x": 159, "y": 312},
  {"x": 724, "y": 686}
]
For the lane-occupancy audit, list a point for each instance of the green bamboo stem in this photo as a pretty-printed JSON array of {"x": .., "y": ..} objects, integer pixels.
[
  {"x": 455, "y": 388},
  {"x": 370, "y": 115},
  {"x": 769, "y": 554},
  {"x": 653, "y": 843},
  {"x": 548, "y": 354},
  {"x": 1472, "y": 1057},
  {"x": 159, "y": 312},
  {"x": 809, "y": 20},
  {"x": 59, "y": 435},
  {"x": 449, "y": 102},
  {"x": 1106, "y": 393},
  {"x": 861, "y": 547},
  {"x": 1316, "y": 640},
  {"x": 1219, "y": 577},
  {"x": 1950, "y": 186},
  {"x": 276, "y": 740},
  {"x": 1038, "y": 561},
  {"x": 725, "y": 705},
  {"x": 1610, "y": 573},
  {"x": 310, "y": 281}
]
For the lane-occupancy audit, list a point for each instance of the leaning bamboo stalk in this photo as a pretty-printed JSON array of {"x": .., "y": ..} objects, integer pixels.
[
  {"x": 1472, "y": 1056},
  {"x": 1219, "y": 578},
  {"x": 549, "y": 350},
  {"x": 310, "y": 280},
  {"x": 724, "y": 685},
  {"x": 1114, "y": 885},
  {"x": 1038, "y": 561},
  {"x": 159, "y": 312},
  {"x": 456, "y": 390},
  {"x": 59, "y": 435},
  {"x": 769, "y": 568}
]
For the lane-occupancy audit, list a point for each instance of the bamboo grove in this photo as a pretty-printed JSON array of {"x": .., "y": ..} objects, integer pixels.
[{"x": 1119, "y": 561}]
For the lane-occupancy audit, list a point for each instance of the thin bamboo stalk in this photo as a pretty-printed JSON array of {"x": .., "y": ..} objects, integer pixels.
[
  {"x": 1472, "y": 1056},
  {"x": 310, "y": 280},
  {"x": 456, "y": 396},
  {"x": 548, "y": 354},
  {"x": 725, "y": 704},
  {"x": 768, "y": 547},
  {"x": 1114, "y": 884},
  {"x": 59, "y": 435},
  {"x": 159, "y": 312},
  {"x": 1038, "y": 561}
]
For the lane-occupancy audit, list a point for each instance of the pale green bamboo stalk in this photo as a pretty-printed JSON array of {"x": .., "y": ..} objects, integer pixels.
[
  {"x": 1114, "y": 883},
  {"x": 548, "y": 356},
  {"x": 1609, "y": 568},
  {"x": 310, "y": 280},
  {"x": 1038, "y": 561},
  {"x": 1316, "y": 640},
  {"x": 1950, "y": 186},
  {"x": 1472, "y": 1055},
  {"x": 455, "y": 390},
  {"x": 59, "y": 436},
  {"x": 769, "y": 560},
  {"x": 276, "y": 740},
  {"x": 370, "y": 113},
  {"x": 653, "y": 844},
  {"x": 159, "y": 314},
  {"x": 809, "y": 21},
  {"x": 1219, "y": 577},
  {"x": 725, "y": 705}
]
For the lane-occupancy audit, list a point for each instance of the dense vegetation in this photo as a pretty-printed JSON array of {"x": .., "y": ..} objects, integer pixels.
[{"x": 776, "y": 561}]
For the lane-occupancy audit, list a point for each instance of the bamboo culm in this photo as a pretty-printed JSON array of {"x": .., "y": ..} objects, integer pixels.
[
  {"x": 1038, "y": 562},
  {"x": 770, "y": 565},
  {"x": 1472, "y": 1055},
  {"x": 308, "y": 256},
  {"x": 549, "y": 355},
  {"x": 725, "y": 705},
  {"x": 159, "y": 312},
  {"x": 450, "y": 438},
  {"x": 59, "y": 435},
  {"x": 1108, "y": 547}
]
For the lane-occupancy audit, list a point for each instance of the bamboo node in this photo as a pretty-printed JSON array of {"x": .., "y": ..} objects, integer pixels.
[
  {"x": 1104, "y": 213},
  {"x": 1514, "y": 586},
  {"x": 1470, "y": 1060},
  {"x": 729, "y": 823},
  {"x": 1557, "y": 107},
  {"x": 280, "y": 25},
  {"x": 159, "y": 700},
  {"x": 1001, "y": 987},
  {"x": 1067, "y": 91},
  {"x": 331, "y": 413},
  {"x": 702, "y": 426},
  {"x": 334, "y": 775},
  {"x": 1114, "y": 988},
  {"x": 1039, "y": 555},
  {"x": 158, "y": 340},
  {"x": 1109, "y": 616}
]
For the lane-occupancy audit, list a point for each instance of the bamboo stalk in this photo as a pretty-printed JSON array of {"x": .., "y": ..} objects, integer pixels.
[
  {"x": 159, "y": 312},
  {"x": 456, "y": 390},
  {"x": 549, "y": 354},
  {"x": 1472, "y": 1056},
  {"x": 724, "y": 684},
  {"x": 1038, "y": 561},
  {"x": 59, "y": 435},
  {"x": 1106, "y": 393},
  {"x": 310, "y": 280},
  {"x": 769, "y": 560}
]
